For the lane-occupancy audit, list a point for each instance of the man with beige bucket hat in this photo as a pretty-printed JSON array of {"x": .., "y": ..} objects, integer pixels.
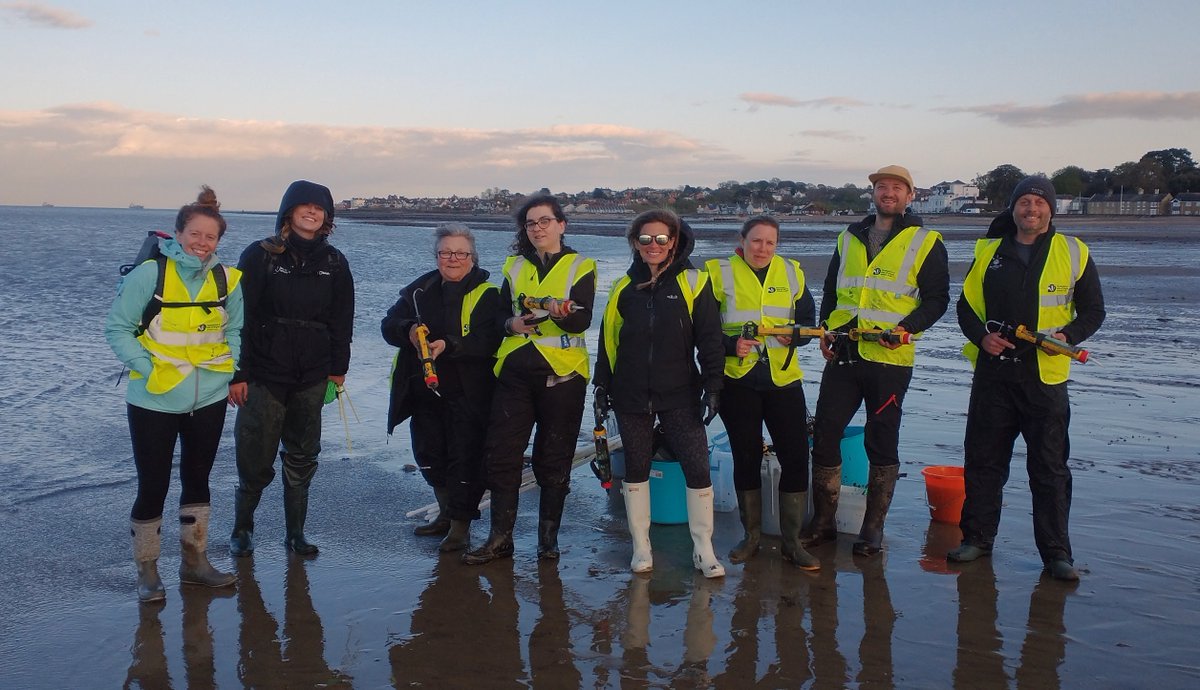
[{"x": 889, "y": 275}]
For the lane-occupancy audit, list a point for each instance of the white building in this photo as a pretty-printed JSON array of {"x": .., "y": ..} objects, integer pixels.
[{"x": 947, "y": 197}]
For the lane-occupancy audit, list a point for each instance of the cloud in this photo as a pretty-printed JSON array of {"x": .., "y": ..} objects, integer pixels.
[
  {"x": 1071, "y": 109},
  {"x": 93, "y": 149},
  {"x": 761, "y": 99},
  {"x": 835, "y": 134},
  {"x": 46, "y": 16}
]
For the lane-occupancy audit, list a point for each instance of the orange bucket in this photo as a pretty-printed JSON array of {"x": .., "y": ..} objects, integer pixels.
[{"x": 946, "y": 490}]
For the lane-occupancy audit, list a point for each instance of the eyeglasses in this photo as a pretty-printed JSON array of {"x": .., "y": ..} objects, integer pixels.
[
  {"x": 543, "y": 222},
  {"x": 660, "y": 240},
  {"x": 461, "y": 256}
]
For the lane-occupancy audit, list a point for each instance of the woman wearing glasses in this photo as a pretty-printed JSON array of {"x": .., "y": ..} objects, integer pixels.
[
  {"x": 662, "y": 317},
  {"x": 763, "y": 383},
  {"x": 449, "y": 414},
  {"x": 542, "y": 370}
]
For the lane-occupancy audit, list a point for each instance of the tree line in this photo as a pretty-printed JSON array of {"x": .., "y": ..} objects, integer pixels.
[{"x": 1167, "y": 170}]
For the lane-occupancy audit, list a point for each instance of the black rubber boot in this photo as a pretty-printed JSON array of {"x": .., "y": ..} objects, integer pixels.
[
  {"x": 500, "y": 541},
  {"x": 241, "y": 542},
  {"x": 297, "y": 475},
  {"x": 458, "y": 537},
  {"x": 881, "y": 486},
  {"x": 440, "y": 524},
  {"x": 826, "y": 488},
  {"x": 792, "y": 507},
  {"x": 750, "y": 511},
  {"x": 550, "y": 509}
]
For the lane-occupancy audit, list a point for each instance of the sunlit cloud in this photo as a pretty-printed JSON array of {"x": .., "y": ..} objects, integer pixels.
[
  {"x": 1071, "y": 109},
  {"x": 758, "y": 99},
  {"x": 44, "y": 15},
  {"x": 85, "y": 147},
  {"x": 835, "y": 134}
]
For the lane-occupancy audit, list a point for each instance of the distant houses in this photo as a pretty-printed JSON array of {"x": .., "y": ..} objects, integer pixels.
[
  {"x": 1121, "y": 204},
  {"x": 948, "y": 197}
]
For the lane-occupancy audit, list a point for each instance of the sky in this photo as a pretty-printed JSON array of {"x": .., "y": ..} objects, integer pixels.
[{"x": 141, "y": 101}]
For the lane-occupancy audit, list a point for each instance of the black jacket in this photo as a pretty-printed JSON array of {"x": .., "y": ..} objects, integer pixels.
[
  {"x": 659, "y": 344},
  {"x": 1010, "y": 293},
  {"x": 465, "y": 368},
  {"x": 933, "y": 279},
  {"x": 299, "y": 301}
]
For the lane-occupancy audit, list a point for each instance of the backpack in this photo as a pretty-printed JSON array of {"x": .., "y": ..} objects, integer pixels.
[{"x": 150, "y": 252}]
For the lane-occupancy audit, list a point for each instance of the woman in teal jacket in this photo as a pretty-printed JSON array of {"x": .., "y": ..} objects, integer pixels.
[{"x": 181, "y": 362}]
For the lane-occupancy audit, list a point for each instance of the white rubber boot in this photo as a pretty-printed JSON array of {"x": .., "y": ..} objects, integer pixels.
[
  {"x": 637, "y": 512},
  {"x": 700, "y": 521}
]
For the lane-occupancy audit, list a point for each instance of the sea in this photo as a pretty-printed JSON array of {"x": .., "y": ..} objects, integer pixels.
[
  {"x": 380, "y": 608},
  {"x": 62, "y": 391}
]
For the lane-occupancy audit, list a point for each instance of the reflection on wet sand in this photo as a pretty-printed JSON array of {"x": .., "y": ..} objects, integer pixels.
[
  {"x": 981, "y": 662},
  {"x": 879, "y": 622},
  {"x": 683, "y": 665},
  {"x": 293, "y": 656},
  {"x": 551, "y": 659},
  {"x": 148, "y": 668},
  {"x": 478, "y": 601}
]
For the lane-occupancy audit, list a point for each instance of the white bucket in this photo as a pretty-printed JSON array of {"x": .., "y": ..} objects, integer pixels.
[
  {"x": 852, "y": 505},
  {"x": 770, "y": 494},
  {"x": 720, "y": 469}
]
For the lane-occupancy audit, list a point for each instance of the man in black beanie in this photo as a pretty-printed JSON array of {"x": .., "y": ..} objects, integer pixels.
[{"x": 1025, "y": 274}]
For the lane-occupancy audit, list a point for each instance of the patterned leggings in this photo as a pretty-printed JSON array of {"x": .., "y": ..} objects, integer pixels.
[{"x": 684, "y": 435}]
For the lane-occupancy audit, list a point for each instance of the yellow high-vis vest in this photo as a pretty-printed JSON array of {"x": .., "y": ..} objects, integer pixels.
[
  {"x": 1065, "y": 261},
  {"x": 185, "y": 334},
  {"x": 881, "y": 292},
  {"x": 565, "y": 352},
  {"x": 772, "y": 302}
]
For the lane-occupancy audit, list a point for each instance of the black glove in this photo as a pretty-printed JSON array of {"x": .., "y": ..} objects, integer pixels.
[
  {"x": 711, "y": 402},
  {"x": 600, "y": 402}
]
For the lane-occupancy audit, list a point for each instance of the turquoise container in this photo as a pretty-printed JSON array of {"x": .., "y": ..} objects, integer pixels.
[
  {"x": 668, "y": 493},
  {"x": 854, "y": 458}
]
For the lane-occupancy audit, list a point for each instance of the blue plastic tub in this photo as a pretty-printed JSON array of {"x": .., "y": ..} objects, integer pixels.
[
  {"x": 854, "y": 458},
  {"x": 668, "y": 493}
]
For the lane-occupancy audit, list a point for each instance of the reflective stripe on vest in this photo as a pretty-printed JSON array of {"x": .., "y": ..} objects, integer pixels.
[
  {"x": 1065, "y": 260},
  {"x": 468, "y": 305},
  {"x": 881, "y": 292},
  {"x": 744, "y": 298},
  {"x": 691, "y": 282},
  {"x": 183, "y": 337},
  {"x": 564, "y": 352}
]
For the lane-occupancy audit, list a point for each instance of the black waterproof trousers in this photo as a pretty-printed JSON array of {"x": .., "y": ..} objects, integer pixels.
[
  {"x": 518, "y": 404},
  {"x": 448, "y": 441},
  {"x": 744, "y": 410},
  {"x": 845, "y": 386},
  {"x": 1000, "y": 409}
]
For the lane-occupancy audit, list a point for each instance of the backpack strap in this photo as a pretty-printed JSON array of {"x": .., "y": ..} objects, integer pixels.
[{"x": 156, "y": 303}]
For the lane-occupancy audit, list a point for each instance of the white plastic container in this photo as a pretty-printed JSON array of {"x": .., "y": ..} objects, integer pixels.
[
  {"x": 852, "y": 505},
  {"x": 770, "y": 494},
  {"x": 720, "y": 469}
]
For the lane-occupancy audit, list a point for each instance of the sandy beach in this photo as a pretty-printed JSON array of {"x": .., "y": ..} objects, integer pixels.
[{"x": 380, "y": 608}]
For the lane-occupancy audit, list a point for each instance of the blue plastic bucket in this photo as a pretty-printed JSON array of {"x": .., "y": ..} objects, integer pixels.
[
  {"x": 854, "y": 457},
  {"x": 668, "y": 493}
]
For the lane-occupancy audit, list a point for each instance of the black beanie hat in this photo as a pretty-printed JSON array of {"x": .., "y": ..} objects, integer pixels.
[
  {"x": 1038, "y": 186},
  {"x": 304, "y": 192}
]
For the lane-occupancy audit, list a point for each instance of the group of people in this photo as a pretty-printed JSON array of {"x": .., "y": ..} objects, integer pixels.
[{"x": 483, "y": 366}]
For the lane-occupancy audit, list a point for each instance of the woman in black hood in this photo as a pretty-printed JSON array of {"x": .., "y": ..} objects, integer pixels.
[
  {"x": 299, "y": 297},
  {"x": 662, "y": 317}
]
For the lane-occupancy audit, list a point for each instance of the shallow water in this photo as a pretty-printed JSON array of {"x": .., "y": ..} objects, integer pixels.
[{"x": 377, "y": 608}]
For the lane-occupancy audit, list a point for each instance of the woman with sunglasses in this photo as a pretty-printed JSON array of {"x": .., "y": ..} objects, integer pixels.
[
  {"x": 449, "y": 414},
  {"x": 542, "y": 372},
  {"x": 661, "y": 317},
  {"x": 763, "y": 383}
]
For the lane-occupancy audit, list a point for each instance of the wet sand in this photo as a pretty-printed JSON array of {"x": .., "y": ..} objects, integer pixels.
[{"x": 380, "y": 608}]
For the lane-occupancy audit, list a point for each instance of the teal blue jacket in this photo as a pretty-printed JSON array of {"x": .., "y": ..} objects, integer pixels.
[{"x": 202, "y": 386}]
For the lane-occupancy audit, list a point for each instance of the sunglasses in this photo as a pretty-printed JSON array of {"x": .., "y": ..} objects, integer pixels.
[{"x": 660, "y": 240}]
